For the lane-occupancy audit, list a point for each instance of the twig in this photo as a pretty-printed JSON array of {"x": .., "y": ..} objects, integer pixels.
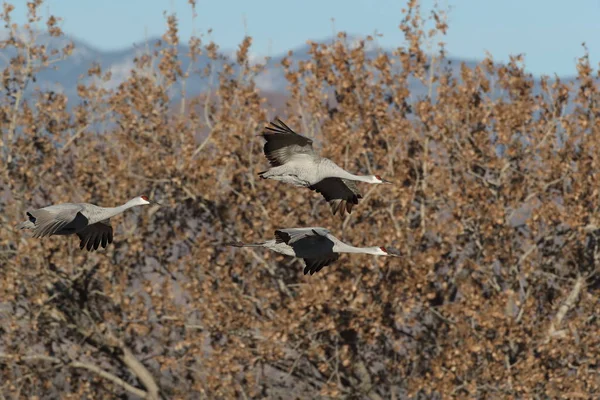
[
  {"x": 81, "y": 130},
  {"x": 141, "y": 372},
  {"x": 366, "y": 386},
  {"x": 18, "y": 98},
  {"x": 208, "y": 123},
  {"x": 83, "y": 365},
  {"x": 440, "y": 316},
  {"x": 282, "y": 286},
  {"x": 364, "y": 199},
  {"x": 565, "y": 307},
  {"x": 106, "y": 340},
  {"x": 424, "y": 181},
  {"x": 509, "y": 371}
]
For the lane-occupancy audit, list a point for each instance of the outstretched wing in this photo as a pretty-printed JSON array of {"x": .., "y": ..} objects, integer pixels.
[
  {"x": 341, "y": 194},
  {"x": 292, "y": 235},
  {"x": 316, "y": 264},
  {"x": 317, "y": 238},
  {"x": 50, "y": 220},
  {"x": 283, "y": 143},
  {"x": 100, "y": 233}
]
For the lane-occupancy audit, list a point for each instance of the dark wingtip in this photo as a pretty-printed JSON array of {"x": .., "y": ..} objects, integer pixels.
[
  {"x": 334, "y": 206},
  {"x": 277, "y": 126},
  {"x": 349, "y": 207},
  {"x": 343, "y": 207},
  {"x": 280, "y": 122}
]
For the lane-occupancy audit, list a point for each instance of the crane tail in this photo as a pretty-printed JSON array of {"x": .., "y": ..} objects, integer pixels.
[
  {"x": 25, "y": 225},
  {"x": 29, "y": 224}
]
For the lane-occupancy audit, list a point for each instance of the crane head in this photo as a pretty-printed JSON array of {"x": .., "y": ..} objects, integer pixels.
[
  {"x": 143, "y": 200},
  {"x": 379, "y": 179}
]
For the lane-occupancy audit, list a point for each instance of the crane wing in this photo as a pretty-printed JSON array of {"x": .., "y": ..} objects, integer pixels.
[
  {"x": 283, "y": 143},
  {"x": 341, "y": 194},
  {"x": 319, "y": 239},
  {"x": 316, "y": 264},
  {"x": 292, "y": 235},
  {"x": 51, "y": 220},
  {"x": 92, "y": 236}
]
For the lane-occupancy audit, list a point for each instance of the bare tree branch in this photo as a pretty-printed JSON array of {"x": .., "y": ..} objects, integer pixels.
[
  {"x": 141, "y": 372},
  {"x": 84, "y": 365},
  {"x": 565, "y": 307}
]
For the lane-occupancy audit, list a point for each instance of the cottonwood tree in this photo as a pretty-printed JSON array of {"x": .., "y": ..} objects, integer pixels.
[{"x": 494, "y": 210}]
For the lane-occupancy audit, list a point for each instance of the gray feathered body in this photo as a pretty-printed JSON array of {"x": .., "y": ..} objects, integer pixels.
[
  {"x": 294, "y": 161},
  {"x": 88, "y": 221},
  {"x": 76, "y": 215},
  {"x": 316, "y": 246},
  {"x": 304, "y": 170}
]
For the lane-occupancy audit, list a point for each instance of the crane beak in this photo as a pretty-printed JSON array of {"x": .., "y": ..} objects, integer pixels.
[
  {"x": 155, "y": 203},
  {"x": 386, "y": 181}
]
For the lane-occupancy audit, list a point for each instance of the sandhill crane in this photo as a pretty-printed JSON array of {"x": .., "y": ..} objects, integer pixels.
[
  {"x": 293, "y": 160},
  {"x": 90, "y": 222},
  {"x": 317, "y": 247}
]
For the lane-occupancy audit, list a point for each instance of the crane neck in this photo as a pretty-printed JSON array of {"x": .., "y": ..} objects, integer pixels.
[
  {"x": 342, "y": 173},
  {"x": 362, "y": 250},
  {"x": 109, "y": 212}
]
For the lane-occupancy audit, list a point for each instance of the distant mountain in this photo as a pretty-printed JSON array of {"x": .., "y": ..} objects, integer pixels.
[{"x": 67, "y": 74}]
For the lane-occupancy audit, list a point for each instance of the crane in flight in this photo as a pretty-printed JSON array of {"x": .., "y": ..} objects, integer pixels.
[
  {"x": 293, "y": 160},
  {"x": 317, "y": 247},
  {"x": 88, "y": 221}
]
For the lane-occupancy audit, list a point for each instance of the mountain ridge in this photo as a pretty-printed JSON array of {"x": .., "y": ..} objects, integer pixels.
[{"x": 70, "y": 72}]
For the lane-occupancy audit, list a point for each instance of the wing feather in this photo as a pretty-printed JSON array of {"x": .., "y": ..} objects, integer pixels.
[
  {"x": 341, "y": 194},
  {"x": 96, "y": 235},
  {"x": 292, "y": 235},
  {"x": 310, "y": 237},
  {"x": 283, "y": 143},
  {"x": 314, "y": 265},
  {"x": 47, "y": 221}
]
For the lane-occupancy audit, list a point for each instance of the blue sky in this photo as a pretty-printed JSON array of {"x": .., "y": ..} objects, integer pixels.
[{"x": 549, "y": 32}]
